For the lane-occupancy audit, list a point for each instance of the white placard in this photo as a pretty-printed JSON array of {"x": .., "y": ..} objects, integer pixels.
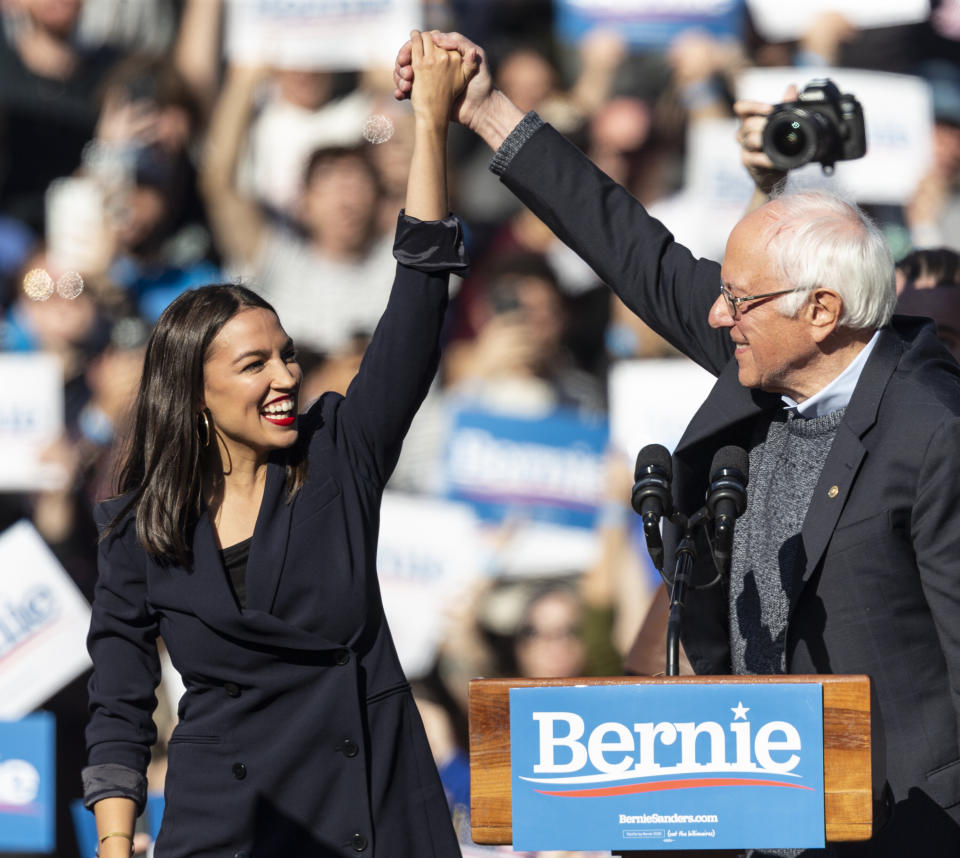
[
  {"x": 898, "y": 115},
  {"x": 703, "y": 229},
  {"x": 44, "y": 621},
  {"x": 76, "y": 229},
  {"x": 429, "y": 554},
  {"x": 652, "y": 401},
  {"x": 31, "y": 418},
  {"x": 541, "y": 549},
  {"x": 777, "y": 21},
  {"x": 319, "y": 34},
  {"x": 715, "y": 193}
]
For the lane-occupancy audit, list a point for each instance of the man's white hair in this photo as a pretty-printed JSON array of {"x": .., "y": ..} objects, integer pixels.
[{"x": 822, "y": 240}]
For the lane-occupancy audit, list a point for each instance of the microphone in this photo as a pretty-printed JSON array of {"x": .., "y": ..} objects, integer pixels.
[
  {"x": 727, "y": 499},
  {"x": 651, "y": 498}
]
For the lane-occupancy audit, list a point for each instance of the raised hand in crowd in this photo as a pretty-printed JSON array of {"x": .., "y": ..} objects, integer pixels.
[
  {"x": 700, "y": 64},
  {"x": 824, "y": 39},
  {"x": 503, "y": 347},
  {"x": 601, "y": 53}
]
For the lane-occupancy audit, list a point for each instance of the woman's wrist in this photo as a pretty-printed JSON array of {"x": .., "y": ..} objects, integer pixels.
[{"x": 431, "y": 124}]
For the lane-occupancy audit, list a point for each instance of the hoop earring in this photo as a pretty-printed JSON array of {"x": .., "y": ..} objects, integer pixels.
[{"x": 204, "y": 433}]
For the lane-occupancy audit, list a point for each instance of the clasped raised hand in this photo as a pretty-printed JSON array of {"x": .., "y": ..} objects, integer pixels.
[
  {"x": 469, "y": 98},
  {"x": 439, "y": 76}
]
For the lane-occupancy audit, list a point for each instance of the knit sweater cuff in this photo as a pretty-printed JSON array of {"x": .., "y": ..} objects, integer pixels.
[{"x": 526, "y": 128}]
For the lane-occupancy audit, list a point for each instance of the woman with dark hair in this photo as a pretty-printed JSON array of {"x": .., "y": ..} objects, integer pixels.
[{"x": 245, "y": 536}]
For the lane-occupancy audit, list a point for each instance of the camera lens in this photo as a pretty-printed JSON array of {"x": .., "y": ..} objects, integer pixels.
[
  {"x": 794, "y": 137},
  {"x": 790, "y": 138}
]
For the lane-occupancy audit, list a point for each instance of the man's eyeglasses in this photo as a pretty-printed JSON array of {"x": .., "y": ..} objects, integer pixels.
[{"x": 734, "y": 302}]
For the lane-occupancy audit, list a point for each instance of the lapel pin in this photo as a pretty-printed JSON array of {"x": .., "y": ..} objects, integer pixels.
[{"x": 833, "y": 491}]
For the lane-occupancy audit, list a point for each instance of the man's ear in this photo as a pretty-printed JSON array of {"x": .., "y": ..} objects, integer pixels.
[{"x": 823, "y": 312}]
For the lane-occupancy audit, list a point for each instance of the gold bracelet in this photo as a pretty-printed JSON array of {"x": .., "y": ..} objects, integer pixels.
[{"x": 110, "y": 834}]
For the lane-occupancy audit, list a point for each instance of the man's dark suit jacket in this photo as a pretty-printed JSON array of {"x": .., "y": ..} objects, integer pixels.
[
  {"x": 880, "y": 593},
  {"x": 298, "y": 734}
]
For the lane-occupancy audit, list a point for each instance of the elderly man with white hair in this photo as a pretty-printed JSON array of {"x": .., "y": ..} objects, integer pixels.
[{"x": 847, "y": 559}]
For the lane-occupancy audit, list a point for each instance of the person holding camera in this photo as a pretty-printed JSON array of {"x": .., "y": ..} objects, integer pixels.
[
  {"x": 847, "y": 559},
  {"x": 817, "y": 124},
  {"x": 767, "y": 178},
  {"x": 518, "y": 361}
]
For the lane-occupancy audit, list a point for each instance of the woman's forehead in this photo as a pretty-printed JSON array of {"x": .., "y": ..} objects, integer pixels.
[{"x": 249, "y": 328}]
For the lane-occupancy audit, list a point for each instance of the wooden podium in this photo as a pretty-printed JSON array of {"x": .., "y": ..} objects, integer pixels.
[{"x": 850, "y": 772}]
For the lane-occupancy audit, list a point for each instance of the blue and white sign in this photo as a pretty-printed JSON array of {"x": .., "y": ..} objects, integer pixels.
[
  {"x": 31, "y": 419},
  {"x": 644, "y": 767},
  {"x": 429, "y": 554},
  {"x": 44, "y": 621},
  {"x": 648, "y": 24},
  {"x": 777, "y": 21},
  {"x": 27, "y": 773},
  {"x": 546, "y": 469},
  {"x": 319, "y": 34}
]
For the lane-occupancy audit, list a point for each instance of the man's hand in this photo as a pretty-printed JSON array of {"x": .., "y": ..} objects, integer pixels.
[
  {"x": 441, "y": 75},
  {"x": 469, "y": 107}
]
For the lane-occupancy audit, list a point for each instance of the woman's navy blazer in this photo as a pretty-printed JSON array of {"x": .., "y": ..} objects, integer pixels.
[{"x": 297, "y": 734}]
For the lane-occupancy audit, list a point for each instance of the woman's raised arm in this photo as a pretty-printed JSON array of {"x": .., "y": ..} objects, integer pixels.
[
  {"x": 439, "y": 76},
  {"x": 403, "y": 355}
]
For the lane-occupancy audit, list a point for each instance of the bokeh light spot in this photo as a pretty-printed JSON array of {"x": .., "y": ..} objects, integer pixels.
[
  {"x": 70, "y": 285},
  {"x": 377, "y": 129},
  {"x": 38, "y": 285}
]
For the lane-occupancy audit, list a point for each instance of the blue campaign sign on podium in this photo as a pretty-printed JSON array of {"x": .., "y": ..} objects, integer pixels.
[
  {"x": 27, "y": 774},
  {"x": 643, "y": 767}
]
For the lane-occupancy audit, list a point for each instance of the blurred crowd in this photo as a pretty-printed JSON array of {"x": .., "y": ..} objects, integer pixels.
[{"x": 139, "y": 159}]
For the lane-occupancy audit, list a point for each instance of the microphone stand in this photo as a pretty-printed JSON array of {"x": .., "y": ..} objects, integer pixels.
[
  {"x": 686, "y": 555},
  {"x": 726, "y": 499}
]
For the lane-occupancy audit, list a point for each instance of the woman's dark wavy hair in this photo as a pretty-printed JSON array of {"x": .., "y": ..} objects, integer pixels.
[{"x": 163, "y": 468}]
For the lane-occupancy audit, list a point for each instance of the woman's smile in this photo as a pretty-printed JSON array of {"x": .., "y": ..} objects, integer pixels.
[{"x": 281, "y": 411}]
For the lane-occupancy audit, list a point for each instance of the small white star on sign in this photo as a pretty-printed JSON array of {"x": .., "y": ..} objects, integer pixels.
[{"x": 740, "y": 711}]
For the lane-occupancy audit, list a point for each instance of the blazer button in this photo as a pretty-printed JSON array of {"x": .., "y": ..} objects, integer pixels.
[
  {"x": 232, "y": 689},
  {"x": 240, "y": 854},
  {"x": 239, "y": 771},
  {"x": 343, "y": 657},
  {"x": 358, "y": 842},
  {"x": 349, "y": 748}
]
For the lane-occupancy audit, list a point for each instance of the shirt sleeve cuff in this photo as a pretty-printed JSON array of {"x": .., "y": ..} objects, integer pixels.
[
  {"x": 111, "y": 780},
  {"x": 431, "y": 246},
  {"x": 526, "y": 128}
]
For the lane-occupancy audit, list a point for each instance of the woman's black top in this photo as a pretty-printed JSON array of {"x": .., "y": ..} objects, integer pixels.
[{"x": 235, "y": 562}]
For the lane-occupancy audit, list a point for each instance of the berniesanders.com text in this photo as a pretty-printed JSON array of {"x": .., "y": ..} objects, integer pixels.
[{"x": 667, "y": 818}]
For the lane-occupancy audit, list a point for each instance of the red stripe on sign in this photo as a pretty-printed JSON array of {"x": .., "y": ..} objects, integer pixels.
[{"x": 659, "y": 786}]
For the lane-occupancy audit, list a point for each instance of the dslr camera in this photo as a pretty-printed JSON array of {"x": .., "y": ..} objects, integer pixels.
[{"x": 822, "y": 125}]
